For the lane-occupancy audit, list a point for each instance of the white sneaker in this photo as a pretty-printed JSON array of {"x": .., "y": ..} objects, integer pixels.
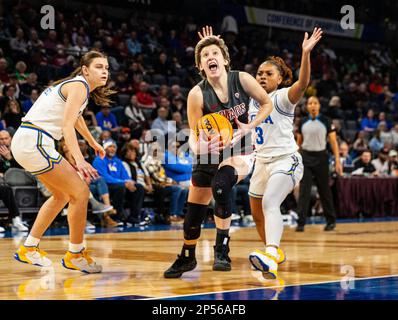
[
  {"x": 2, "y": 229},
  {"x": 81, "y": 261},
  {"x": 265, "y": 263},
  {"x": 89, "y": 225},
  {"x": 32, "y": 255},
  {"x": 248, "y": 219},
  {"x": 18, "y": 224},
  {"x": 235, "y": 217}
]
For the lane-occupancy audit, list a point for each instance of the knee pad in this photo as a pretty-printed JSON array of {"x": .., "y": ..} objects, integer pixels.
[
  {"x": 222, "y": 185},
  {"x": 196, "y": 213}
]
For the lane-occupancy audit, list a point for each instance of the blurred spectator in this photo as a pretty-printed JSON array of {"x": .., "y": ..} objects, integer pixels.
[
  {"x": 7, "y": 160},
  {"x": 161, "y": 123},
  {"x": 122, "y": 84},
  {"x": 29, "y": 85},
  {"x": 18, "y": 44},
  {"x": 334, "y": 110},
  {"x": 124, "y": 138},
  {"x": 381, "y": 162},
  {"x": 163, "y": 185},
  {"x": 12, "y": 114},
  {"x": 144, "y": 99},
  {"x": 91, "y": 123},
  {"x": 136, "y": 173},
  {"x": 107, "y": 120},
  {"x": 376, "y": 144},
  {"x": 8, "y": 95},
  {"x": 369, "y": 123},
  {"x": 6, "y": 194},
  {"x": 394, "y": 134},
  {"x": 20, "y": 71},
  {"x": 383, "y": 118},
  {"x": 104, "y": 136},
  {"x": 162, "y": 66},
  {"x": 50, "y": 43},
  {"x": 133, "y": 44},
  {"x": 34, "y": 43},
  {"x": 119, "y": 183},
  {"x": 177, "y": 118},
  {"x": 393, "y": 163},
  {"x": 360, "y": 143},
  {"x": 4, "y": 77},
  {"x": 27, "y": 104},
  {"x": 79, "y": 49},
  {"x": 385, "y": 133},
  {"x": 136, "y": 118},
  {"x": 178, "y": 166},
  {"x": 98, "y": 187},
  {"x": 363, "y": 165}
]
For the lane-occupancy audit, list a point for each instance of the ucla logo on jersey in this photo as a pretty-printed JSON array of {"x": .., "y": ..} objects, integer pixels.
[{"x": 267, "y": 120}]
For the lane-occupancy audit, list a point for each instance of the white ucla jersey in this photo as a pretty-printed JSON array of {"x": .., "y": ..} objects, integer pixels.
[
  {"x": 274, "y": 136},
  {"x": 48, "y": 110}
]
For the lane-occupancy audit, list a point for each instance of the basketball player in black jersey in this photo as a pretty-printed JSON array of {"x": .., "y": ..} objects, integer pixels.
[{"x": 228, "y": 93}]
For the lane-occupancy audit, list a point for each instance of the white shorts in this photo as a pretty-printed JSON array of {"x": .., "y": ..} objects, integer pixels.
[
  {"x": 291, "y": 165},
  {"x": 34, "y": 149}
]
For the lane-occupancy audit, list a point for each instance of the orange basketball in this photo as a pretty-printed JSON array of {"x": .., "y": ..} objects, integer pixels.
[{"x": 213, "y": 124}]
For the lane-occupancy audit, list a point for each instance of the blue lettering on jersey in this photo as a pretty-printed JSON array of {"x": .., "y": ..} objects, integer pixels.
[
  {"x": 268, "y": 120},
  {"x": 47, "y": 91}
]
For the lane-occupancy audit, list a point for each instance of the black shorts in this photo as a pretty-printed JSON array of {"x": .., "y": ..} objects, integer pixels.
[{"x": 203, "y": 174}]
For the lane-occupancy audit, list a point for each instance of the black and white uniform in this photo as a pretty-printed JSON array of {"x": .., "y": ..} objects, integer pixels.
[
  {"x": 237, "y": 107},
  {"x": 316, "y": 166}
]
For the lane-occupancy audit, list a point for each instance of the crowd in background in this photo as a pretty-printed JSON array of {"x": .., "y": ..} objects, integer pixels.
[{"x": 152, "y": 67}]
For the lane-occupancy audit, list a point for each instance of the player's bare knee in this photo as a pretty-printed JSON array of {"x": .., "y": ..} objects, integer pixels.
[{"x": 80, "y": 192}]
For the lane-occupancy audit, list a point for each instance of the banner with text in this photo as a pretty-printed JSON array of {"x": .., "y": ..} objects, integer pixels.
[{"x": 280, "y": 19}]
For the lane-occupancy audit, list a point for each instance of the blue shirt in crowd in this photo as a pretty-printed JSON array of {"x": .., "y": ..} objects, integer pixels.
[
  {"x": 106, "y": 123},
  {"x": 369, "y": 123},
  {"x": 112, "y": 170},
  {"x": 178, "y": 168}
]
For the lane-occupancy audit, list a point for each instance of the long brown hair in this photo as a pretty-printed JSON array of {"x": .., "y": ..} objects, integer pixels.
[
  {"x": 208, "y": 41},
  {"x": 284, "y": 70},
  {"x": 101, "y": 94}
]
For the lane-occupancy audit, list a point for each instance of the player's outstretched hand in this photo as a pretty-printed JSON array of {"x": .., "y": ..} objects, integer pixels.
[
  {"x": 309, "y": 43},
  {"x": 206, "y": 32}
]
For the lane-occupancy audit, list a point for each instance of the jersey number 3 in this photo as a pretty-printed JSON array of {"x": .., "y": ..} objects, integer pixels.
[{"x": 260, "y": 135}]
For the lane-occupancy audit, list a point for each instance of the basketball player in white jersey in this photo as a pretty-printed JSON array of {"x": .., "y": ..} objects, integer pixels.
[
  {"x": 56, "y": 114},
  {"x": 278, "y": 165}
]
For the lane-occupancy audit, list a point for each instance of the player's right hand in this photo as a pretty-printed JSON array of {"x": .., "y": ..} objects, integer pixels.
[
  {"x": 86, "y": 170},
  {"x": 205, "y": 146}
]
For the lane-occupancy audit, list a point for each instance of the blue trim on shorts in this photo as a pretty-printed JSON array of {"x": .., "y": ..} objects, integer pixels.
[{"x": 50, "y": 160}]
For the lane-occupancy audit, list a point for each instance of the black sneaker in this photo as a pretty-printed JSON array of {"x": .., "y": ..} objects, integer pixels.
[
  {"x": 300, "y": 228},
  {"x": 181, "y": 265},
  {"x": 330, "y": 226},
  {"x": 222, "y": 262}
]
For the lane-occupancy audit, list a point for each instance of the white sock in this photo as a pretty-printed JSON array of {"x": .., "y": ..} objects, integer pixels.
[
  {"x": 31, "y": 241},
  {"x": 272, "y": 251},
  {"x": 75, "y": 248},
  {"x": 277, "y": 189}
]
